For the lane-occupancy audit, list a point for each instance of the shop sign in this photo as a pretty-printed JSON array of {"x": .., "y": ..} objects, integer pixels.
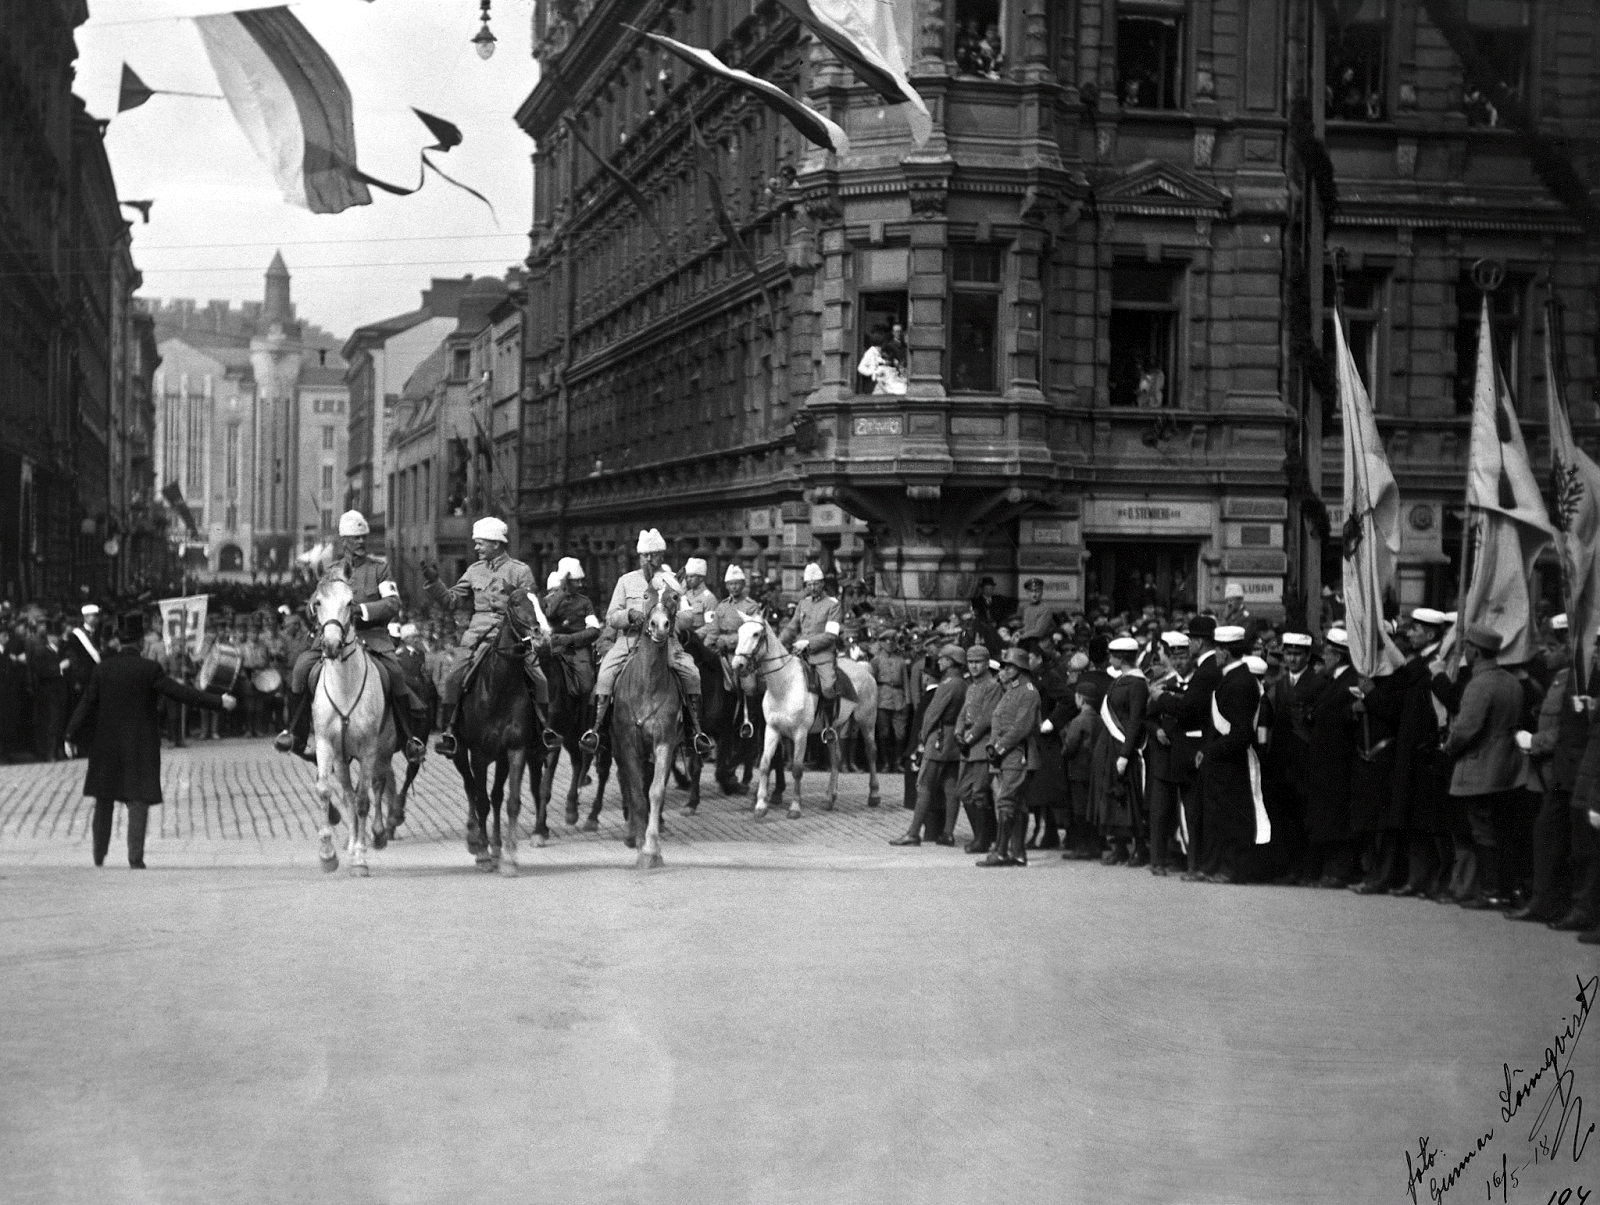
[
  {"x": 1147, "y": 516},
  {"x": 1259, "y": 589},
  {"x": 887, "y": 425}
]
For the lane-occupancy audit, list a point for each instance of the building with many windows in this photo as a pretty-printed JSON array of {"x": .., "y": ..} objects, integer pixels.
[
  {"x": 251, "y": 425},
  {"x": 1105, "y": 280}
]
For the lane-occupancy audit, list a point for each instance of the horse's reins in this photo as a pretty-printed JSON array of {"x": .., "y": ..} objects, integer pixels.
[{"x": 349, "y": 646}]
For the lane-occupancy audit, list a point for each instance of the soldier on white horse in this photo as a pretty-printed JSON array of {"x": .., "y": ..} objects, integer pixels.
[
  {"x": 377, "y": 604},
  {"x": 626, "y": 617},
  {"x": 488, "y": 583},
  {"x": 813, "y": 632},
  {"x": 721, "y": 635}
]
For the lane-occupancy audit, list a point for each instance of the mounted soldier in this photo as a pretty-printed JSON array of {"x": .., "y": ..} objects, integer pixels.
[
  {"x": 721, "y": 635},
  {"x": 377, "y": 604},
  {"x": 625, "y": 617},
  {"x": 813, "y": 631},
  {"x": 698, "y": 601},
  {"x": 574, "y": 625},
  {"x": 488, "y": 583}
]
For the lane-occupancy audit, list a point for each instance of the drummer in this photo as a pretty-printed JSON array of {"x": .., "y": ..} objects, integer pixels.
[{"x": 377, "y": 601}]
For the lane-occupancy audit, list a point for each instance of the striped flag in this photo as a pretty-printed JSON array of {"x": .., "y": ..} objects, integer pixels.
[
  {"x": 862, "y": 34},
  {"x": 817, "y": 128},
  {"x": 291, "y": 102},
  {"x": 1506, "y": 509},
  {"x": 1372, "y": 522},
  {"x": 1575, "y": 487}
]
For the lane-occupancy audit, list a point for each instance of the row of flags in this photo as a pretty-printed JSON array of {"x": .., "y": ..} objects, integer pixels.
[{"x": 1508, "y": 524}]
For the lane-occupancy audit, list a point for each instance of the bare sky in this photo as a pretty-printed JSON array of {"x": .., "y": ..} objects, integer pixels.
[{"x": 218, "y": 215}]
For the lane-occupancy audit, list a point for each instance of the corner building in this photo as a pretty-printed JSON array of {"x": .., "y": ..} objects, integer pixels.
[{"x": 1108, "y": 260}]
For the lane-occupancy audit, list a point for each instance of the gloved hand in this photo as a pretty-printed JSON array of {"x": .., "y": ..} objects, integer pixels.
[
  {"x": 635, "y": 617},
  {"x": 801, "y": 645}
]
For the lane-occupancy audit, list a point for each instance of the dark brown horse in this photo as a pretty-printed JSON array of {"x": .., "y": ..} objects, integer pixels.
[
  {"x": 646, "y": 723},
  {"x": 569, "y": 719},
  {"x": 727, "y": 713},
  {"x": 496, "y": 727}
]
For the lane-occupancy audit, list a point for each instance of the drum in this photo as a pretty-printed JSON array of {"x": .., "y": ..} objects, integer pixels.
[
  {"x": 267, "y": 681},
  {"x": 220, "y": 669}
]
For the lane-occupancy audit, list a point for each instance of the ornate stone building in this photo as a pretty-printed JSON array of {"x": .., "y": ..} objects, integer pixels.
[{"x": 1108, "y": 263}]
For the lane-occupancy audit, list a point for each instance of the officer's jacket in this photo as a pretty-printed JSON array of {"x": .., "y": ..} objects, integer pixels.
[
  {"x": 377, "y": 601},
  {"x": 938, "y": 734},
  {"x": 632, "y": 593},
  {"x": 490, "y": 586},
  {"x": 890, "y": 671},
  {"x": 1014, "y": 726},
  {"x": 573, "y": 623},
  {"x": 977, "y": 715},
  {"x": 818, "y": 621},
  {"x": 694, "y": 607},
  {"x": 721, "y": 630}
]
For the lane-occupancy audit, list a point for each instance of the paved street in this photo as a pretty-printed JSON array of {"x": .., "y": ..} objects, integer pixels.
[{"x": 790, "y": 1011}]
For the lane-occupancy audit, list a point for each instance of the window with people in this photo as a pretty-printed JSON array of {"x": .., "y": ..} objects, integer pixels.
[
  {"x": 1144, "y": 327},
  {"x": 1150, "y": 55},
  {"x": 1357, "y": 62},
  {"x": 1501, "y": 38},
  {"x": 978, "y": 46}
]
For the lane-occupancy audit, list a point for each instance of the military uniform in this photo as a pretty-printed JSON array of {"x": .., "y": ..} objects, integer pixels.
[
  {"x": 574, "y": 629},
  {"x": 490, "y": 585},
  {"x": 1013, "y": 727},
  {"x": 941, "y": 757},
  {"x": 817, "y": 621},
  {"x": 632, "y": 591},
  {"x": 377, "y": 604},
  {"x": 974, "y": 789},
  {"x": 720, "y": 634},
  {"x": 693, "y": 608},
  {"x": 1038, "y": 620}
]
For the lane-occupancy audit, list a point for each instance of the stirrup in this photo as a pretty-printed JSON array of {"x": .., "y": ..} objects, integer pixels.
[
  {"x": 746, "y": 730},
  {"x": 828, "y": 735},
  {"x": 284, "y": 741},
  {"x": 415, "y": 751},
  {"x": 589, "y": 741},
  {"x": 704, "y": 745},
  {"x": 446, "y": 744},
  {"x": 552, "y": 738}
]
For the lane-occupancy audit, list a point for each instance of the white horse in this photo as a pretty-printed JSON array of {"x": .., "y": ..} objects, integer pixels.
[
  {"x": 791, "y": 712},
  {"x": 355, "y": 739}
]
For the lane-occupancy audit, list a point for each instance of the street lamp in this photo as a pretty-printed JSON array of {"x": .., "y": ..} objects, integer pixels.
[{"x": 484, "y": 39}]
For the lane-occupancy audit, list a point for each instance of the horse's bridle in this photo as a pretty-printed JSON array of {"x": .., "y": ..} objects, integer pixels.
[
  {"x": 783, "y": 657},
  {"x": 347, "y": 641}
]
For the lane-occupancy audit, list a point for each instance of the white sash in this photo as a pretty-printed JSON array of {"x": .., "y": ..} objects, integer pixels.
[
  {"x": 88, "y": 646},
  {"x": 1263, "y": 824},
  {"x": 1115, "y": 729}
]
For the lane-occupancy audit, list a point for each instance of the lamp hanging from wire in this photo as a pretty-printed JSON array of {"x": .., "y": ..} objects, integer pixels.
[{"x": 484, "y": 39}]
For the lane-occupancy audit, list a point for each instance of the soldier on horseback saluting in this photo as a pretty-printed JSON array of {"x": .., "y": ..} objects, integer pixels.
[
  {"x": 813, "y": 631},
  {"x": 377, "y": 604},
  {"x": 489, "y": 583},
  {"x": 626, "y": 616}
]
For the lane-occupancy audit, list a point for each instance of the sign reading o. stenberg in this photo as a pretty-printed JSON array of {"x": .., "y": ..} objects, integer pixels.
[{"x": 1148, "y": 516}]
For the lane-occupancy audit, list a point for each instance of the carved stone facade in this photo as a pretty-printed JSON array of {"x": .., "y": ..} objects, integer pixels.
[{"x": 1092, "y": 264}]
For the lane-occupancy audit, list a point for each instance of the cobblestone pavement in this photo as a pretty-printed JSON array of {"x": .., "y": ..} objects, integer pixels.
[{"x": 235, "y": 796}]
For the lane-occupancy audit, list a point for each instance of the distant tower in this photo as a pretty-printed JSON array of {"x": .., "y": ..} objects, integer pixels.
[{"x": 276, "y": 308}]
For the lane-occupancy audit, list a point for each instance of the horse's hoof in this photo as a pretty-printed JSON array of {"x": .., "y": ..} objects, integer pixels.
[
  {"x": 330, "y": 863},
  {"x": 572, "y": 817},
  {"x": 485, "y": 862},
  {"x": 358, "y": 870},
  {"x": 691, "y": 809},
  {"x": 874, "y": 801},
  {"x": 508, "y": 868},
  {"x": 591, "y": 825},
  {"x": 630, "y": 842},
  {"x": 759, "y": 813},
  {"x": 380, "y": 838},
  {"x": 828, "y": 806},
  {"x": 649, "y": 861},
  {"x": 793, "y": 813}
]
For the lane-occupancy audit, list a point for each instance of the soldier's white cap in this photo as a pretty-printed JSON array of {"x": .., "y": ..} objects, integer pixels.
[
  {"x": 1338, "y": 637},
  {"x": 353, "y": 523},
  {"x": 1559, "y": 623},
  {"x": 1233, "y": 590},
  {"x": 407, "y": 631},
  {"x": 1256, "y": 666},
  {"x": 813, "y": 572},
  {"x": 90, "y": 609},
  {"x": 694, "y": 564},
  {"x": 1430, "y": 617},
  {"x": 1229, "y": 633},
  {"x": 554, "y": 580},
  {"x": 1296, "y": 640},
  {"x": 651, "y": 541},
  {"x": 1124, "y": 644},
  {"x": 570, "y": 566},
  {"x": 733, "y": 574},
  {"x": 1175, "y": 640},
  {"x": 1450, "y": 616},
  {"x": 490, "y": 528},
  {"x": 394, "y": 628}
]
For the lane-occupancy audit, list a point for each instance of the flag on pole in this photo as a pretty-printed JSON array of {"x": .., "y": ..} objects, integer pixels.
[
  {"x": 291, "y": 102},
  {"x": 1506, "y": 510},
  {"x": 629, "y": 188},
  {"x": 817, "y": 128},
  {"x": 706, "y": 160},
  {"x": 134, "y": 91},
  {"x": 1371, "y": 525},
  {"x": 1575, "y": 488},
  {"x": 862, "y": 34}
]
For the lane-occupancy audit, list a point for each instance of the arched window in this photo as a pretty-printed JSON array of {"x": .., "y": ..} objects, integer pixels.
[{"x": 230, "y": 559}]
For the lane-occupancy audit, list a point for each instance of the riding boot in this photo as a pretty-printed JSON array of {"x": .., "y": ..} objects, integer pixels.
[
  {"x": 830, "y": 711},
  {"x": 692, "y": 707},
  {"x": 293, "y": 738},
  {"x": 414, "y": 749},
  {"x": 590, "y": 740},
  {"x": 1000, "y": 855},
  {"x": 541, "y": 712},
  {"x": 446, "y": 744}
]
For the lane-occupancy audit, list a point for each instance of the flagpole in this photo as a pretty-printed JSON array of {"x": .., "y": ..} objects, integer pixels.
[{"x": 1556, "y": 346}]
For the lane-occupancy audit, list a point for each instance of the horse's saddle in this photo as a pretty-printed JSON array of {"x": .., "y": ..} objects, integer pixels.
[
  {"x": 483, "y": 649},
  {"x": 577, "y": 682},
  {"x": 845, "y": 688}
]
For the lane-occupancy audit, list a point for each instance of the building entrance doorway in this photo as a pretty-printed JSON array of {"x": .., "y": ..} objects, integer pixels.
[{"x": 1134, "y": 574}]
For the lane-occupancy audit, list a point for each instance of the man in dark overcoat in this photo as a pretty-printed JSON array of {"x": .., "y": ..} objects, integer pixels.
[
  {"x": 1292, "y": 696},
  {"x": 1328, "y": 757},
  {"x": 936, "y": 745},
  {"x": 1192, "y": 721},
  {"x": 125, "y": 758},
  {"x": 1421, "y": 774},
  {"x": 1169, "y": 755},
  {"x": 1228, "y": 801},
  {"x": 1119, "y": 771}
]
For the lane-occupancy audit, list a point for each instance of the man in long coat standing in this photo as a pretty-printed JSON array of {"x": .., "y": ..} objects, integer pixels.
[
  {"x": 1328, "y": 756},
  {"x": 1119, "y": 770},
  {"x": 125, "y": 758},
  {"x": 1231, "y": 785},
  {"x": 1292, "y": 696}
]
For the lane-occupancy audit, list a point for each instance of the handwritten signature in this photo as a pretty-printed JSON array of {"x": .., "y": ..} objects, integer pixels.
[{"x": 1558, "y": 1118}]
